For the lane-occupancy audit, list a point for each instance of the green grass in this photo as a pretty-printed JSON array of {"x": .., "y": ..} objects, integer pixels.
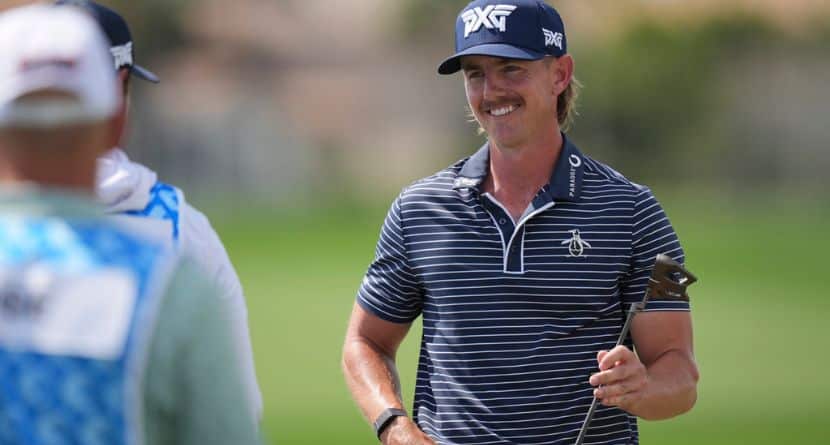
[{"x": 759, "y": 312}]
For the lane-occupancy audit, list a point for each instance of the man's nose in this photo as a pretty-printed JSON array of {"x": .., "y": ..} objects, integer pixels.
[{"x": 492, "y": 87}]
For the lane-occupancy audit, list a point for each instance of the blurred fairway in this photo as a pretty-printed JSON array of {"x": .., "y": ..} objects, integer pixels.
[{"x": 759, "y": 313}]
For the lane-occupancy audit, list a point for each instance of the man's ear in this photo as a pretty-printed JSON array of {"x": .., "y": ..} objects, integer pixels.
[
  {"x": 124, "y": 81},
  {"x": 118, "y": 123},
  {"x": 563, "y": 71}
]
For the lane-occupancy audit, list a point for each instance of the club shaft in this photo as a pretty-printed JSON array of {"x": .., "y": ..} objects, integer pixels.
[
  {"x": 586, "y": 422},
  {"x": 626, "y": 327}
]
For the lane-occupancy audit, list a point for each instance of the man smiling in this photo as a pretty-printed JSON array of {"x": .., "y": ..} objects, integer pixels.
[{"x": 522, "y": 260}]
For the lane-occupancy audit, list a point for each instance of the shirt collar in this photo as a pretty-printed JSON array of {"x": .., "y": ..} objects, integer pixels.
[
  {"x": 565, "y": 182},
  {"x": 474, "y": 170}
]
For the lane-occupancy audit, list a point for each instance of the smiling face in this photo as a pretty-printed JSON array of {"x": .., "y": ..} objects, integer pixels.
[{"x": 513, "y": 100}]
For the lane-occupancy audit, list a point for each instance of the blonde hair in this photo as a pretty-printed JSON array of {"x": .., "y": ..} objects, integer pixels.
[{"x": 566, "y": 111}]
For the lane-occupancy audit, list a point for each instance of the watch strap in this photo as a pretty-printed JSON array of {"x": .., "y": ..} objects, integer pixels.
[{"x": 385, "y": 418}]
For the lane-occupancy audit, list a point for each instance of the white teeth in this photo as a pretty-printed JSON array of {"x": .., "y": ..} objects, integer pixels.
[{"x": 502, "y": 111}]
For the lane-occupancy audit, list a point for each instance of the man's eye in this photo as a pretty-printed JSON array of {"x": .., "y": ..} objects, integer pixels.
[{"x": 473, "y": 74}]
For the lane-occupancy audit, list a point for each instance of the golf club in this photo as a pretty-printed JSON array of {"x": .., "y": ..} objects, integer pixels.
[{"x": 661, "y": 286}]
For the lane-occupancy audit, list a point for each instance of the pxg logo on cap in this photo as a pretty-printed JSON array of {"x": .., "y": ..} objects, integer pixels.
[
  {"x": 492, "y": 16},
  {"x": 512, "y": 29}
]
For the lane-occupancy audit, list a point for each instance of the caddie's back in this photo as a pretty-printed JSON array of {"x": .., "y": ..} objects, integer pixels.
[
  {"x": 75, "y": 300},
  {"x": 75, "y": 293},
  {"x": 106, "y": 337}
]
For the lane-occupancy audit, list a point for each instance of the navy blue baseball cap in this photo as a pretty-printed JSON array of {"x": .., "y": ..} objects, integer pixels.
[
  {"x": 118, "y": 33},
  {"x": 512, "y": 29}
]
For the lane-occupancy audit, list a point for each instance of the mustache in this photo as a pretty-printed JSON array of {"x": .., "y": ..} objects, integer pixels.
[{"x": 500, "y": 102}]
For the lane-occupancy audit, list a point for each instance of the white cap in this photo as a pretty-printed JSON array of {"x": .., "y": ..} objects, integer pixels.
[{"x": 43, "y": 47}]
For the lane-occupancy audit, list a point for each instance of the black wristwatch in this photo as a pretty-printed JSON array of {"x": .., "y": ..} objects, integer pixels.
[{"x": 385, "y": 418}]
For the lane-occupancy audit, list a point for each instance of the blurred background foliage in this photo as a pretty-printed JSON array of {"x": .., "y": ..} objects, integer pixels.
[
  {"x": 668, "y": 97},
  {"x": 293, "y": 123},
  {"x": 728, "y": 96}
]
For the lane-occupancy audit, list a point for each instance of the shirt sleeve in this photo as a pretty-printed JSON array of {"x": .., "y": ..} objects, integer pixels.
[
  {"x": 652, "y": 234},
  {"x": 390, "y": 289},
  {"x": 201, "y": 243},
  {"x": 194, "y": 384}
]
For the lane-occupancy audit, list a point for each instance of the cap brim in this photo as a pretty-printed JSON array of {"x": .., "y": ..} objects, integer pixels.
[
  {"x": 453, "y": 63},
  {"x": 144, "y": 74}
]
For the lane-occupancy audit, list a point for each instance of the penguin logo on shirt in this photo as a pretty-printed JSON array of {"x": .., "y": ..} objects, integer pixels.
[{"x": 576, "y": 245}]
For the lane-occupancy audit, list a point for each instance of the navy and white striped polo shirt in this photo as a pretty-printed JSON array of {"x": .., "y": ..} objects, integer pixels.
[{"x": 514, "y": 312}]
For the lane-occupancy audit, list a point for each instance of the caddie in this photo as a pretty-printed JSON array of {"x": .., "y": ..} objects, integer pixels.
[
  {"x": 106, "y": 335},
  {"x": 522, "y": 260},
  {"x": 133, "y": 193}
]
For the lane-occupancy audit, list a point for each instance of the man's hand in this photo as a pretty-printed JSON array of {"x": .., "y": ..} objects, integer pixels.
[
  {"x": 622, "y": 378},
  {"x": 403, "y": 431}
]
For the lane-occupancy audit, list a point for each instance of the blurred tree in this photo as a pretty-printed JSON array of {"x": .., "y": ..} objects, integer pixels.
[
  {"x": 652, "y": 98},
  {"x": 418, "y": 20}
]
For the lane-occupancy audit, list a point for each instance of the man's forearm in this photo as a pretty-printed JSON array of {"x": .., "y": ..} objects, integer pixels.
[
  {"x": 372, "y": 377},
  {"x": 671, "y": 389}
]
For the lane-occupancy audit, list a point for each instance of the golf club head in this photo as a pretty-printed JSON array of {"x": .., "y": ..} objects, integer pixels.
[{"x": 662, "y": 284}]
